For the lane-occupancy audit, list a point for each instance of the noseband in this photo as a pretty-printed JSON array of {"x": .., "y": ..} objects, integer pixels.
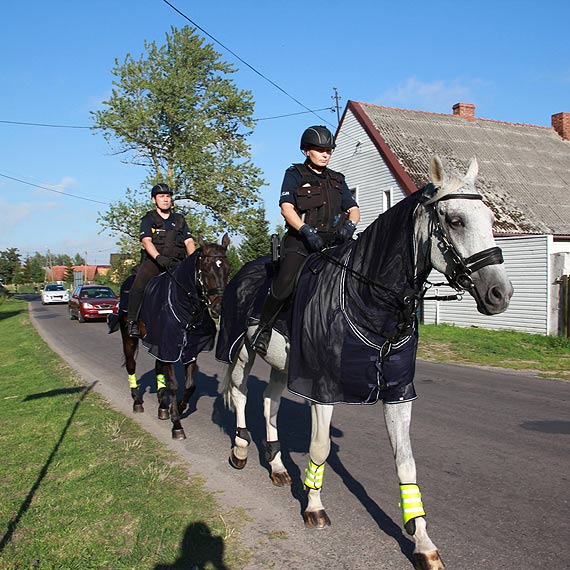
[{"x": 459, "y": 275}]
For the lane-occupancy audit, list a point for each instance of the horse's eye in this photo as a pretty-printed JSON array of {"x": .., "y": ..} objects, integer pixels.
[{"x": 455, "y": 222}]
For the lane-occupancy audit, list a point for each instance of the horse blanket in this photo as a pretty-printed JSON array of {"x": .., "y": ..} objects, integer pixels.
[
  {"x": 178, "y": 324},
  {"x": 241, "y": 306}
]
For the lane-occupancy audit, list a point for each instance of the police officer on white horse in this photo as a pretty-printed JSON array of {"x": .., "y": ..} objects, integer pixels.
[
  {"x": 166, "y": 240},
  {"x": 319, "y": 212}
]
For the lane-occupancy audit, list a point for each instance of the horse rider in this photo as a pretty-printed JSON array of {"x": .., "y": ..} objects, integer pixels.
[
  {"x": 166, "y": 241},
  {"x": 319, "y": 212}
]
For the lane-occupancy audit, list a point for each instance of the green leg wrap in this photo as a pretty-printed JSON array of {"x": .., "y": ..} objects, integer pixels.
[
  {"x": 133, "y": 381},
  {"x": 160, "y": 381},
  {"x": 314, "y": 475},
  {"x": 411, "y": 502}
]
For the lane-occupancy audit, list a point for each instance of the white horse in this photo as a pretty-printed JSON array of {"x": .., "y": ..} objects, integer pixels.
[{"x": 451, "y": 231}]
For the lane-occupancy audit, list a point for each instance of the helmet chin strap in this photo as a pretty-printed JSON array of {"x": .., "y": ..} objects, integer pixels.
[{"x": 314, "y": 166}]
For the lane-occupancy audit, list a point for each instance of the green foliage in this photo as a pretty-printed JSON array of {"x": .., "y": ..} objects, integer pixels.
[
  {"x": 175, "y": 112},
  {"x": 234, "y": 260},
  {"x": 9, "y": 266},
  {"x": 256, "y": 236}
]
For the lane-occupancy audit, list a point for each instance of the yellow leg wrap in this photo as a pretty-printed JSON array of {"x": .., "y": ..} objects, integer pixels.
[
  {"x": 314, "y": 475},
  {"x": 133, "y": 381},
  {"x": 411, "y": 502},
  {"x": 160, "y": 381}
]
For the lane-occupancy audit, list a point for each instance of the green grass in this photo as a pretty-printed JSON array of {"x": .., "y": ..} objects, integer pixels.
[
  {"x": 548, "y": 355},
  {"x": 84, "y": 487}
]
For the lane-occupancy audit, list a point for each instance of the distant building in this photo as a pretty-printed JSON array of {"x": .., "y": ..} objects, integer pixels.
[{"x": 88, "y": 272}]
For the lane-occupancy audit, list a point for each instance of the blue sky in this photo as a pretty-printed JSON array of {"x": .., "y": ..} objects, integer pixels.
[{"x": 510, "y": 58}]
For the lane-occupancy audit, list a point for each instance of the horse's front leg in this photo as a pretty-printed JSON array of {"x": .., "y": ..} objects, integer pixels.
[
  {"x": 271, "y": 402},
  {"x": 189, "y": 385},
  {"x": 321, "y": 415},
  {"x": 236, "y": 389},
  {"x": 160, "y": 369},
  {"x": 172, "y": 390},
  {"x": 130, "y": 349},
  {"x": 398, "y": 418}
]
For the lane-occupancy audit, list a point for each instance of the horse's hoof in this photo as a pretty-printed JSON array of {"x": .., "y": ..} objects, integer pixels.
[
  {"x": 138, "y": 408},
  {"x": 281, "y": 479},
  {"x": 163, "y": 414},
  {"x": 429, "y": 561},
  {"x": 178, "y": 434},
  {"x": 237, "y": 463},
  {"x": 316, "y": 519}
]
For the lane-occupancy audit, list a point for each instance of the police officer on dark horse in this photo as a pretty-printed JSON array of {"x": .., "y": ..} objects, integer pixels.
[
  {"x": 166, "y": 240},
  {"x": 319, "y": 212}
]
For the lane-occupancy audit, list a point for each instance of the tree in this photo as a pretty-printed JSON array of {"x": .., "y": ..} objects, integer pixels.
[
  {"x": 256, "y": 236},
  {"x": 9, "y": 266},
  {"x": 78, "y": 260},
  {"x": 176, "y": 112}
]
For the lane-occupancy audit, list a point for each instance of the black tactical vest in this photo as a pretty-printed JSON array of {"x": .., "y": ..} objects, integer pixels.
[
  {"x": 168, "y": 242},
  {"x": 319, "y": 199}
]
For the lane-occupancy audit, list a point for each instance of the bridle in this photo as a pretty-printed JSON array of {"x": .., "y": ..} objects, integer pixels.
[
  {"x": 461, "y": 268},
  {"x": 207, "y": 293}
]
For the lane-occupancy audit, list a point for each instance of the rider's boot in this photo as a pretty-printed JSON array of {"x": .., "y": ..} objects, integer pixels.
[
  {"x": 133, "y": 329},
  {"x": 269, "y": 313}
]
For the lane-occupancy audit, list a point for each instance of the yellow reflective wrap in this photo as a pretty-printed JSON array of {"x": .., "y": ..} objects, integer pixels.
[
  {"x": 133, "y": 381},
  {"x": 314, "y": 475},
  {"x": 160, "y": 381},
  {"x": 411, "y": 502}
]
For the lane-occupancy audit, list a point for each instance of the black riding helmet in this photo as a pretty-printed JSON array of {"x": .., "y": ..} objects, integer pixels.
[
  {"x": 317, "y": 136},
  {"x": 161, "y": 188}
]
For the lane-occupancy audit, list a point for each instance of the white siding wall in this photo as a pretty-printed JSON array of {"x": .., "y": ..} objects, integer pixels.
[
  {"x": 526, "y": 262},
  {"x": 359, "y": 160}
]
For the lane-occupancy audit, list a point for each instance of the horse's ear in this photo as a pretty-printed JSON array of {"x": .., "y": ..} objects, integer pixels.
[
  {"x": 472, "y": 170},
  {"x": 436, "y": 171},
  {"x": 226, "y": 240},
  {"x": 200, "y": 240}
]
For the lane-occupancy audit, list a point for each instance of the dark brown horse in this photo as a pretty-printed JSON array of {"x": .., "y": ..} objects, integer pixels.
[{"x": 176, "y": 322}]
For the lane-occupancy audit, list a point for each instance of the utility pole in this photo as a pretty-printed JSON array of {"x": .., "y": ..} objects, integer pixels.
[{"x": 336, "y": 99}]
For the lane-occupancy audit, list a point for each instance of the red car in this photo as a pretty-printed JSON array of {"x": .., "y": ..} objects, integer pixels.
[{"x": 92, "y": 302}]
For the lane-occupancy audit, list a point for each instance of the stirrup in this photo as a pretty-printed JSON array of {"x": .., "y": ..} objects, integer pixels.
[
  {"x": 260, "y": 340},
  {"x": 133, "y": 329}
]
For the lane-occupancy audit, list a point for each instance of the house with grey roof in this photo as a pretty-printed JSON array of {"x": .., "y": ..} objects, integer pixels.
[{"x": 524, "y": 176}]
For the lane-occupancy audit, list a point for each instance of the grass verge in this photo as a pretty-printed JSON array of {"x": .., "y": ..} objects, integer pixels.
[
  {"x": 549, "y": 356},
  {"x": 85, "y": 487}
]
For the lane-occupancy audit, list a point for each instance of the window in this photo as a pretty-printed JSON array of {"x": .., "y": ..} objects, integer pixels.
[{"x": 354, "y": 193}]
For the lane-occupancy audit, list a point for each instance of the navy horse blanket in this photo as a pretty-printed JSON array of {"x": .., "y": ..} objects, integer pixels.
[
  {"x": 353, "y": 327},
  {"x": 177, "y": 321}
]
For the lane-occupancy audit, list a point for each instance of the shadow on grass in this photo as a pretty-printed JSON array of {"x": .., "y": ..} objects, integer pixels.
[
  {"x": 53, "y": 393},
  {"x": 199, "y": 550},
  {"x": 9, "y": 314},
  {"x": 13, "y": 524}
]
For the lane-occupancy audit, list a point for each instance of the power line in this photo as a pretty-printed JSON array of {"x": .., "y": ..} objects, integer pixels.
[
  {"x": 44, "y": 125},
  {"x": 52, "y": 190},
  {"x": 246, "y": 63}
]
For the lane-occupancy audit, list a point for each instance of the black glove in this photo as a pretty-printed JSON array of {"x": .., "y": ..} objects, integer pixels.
[
  {"x": 313, "y": 240},
  {"x": 165, "y": 262},
  {"x": 347, "y": 230}
]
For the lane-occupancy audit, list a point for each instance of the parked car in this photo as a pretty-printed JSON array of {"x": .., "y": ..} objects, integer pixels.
[
  {"x": 89, "y": 302},
  {"x": 54, "y": 293}
]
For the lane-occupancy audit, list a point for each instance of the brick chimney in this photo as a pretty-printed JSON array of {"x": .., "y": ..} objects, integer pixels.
[
  {"x": 561, "y": 124},
  {"x": 464, "y": 110}
]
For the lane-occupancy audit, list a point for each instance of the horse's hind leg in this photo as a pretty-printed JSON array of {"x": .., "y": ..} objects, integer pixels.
[
  {"x": 236, "y": 389},
  {"x": 321, "y": 415},
  {"x": 189, "y": 385},
  {"x": 130, "y": 348},
  {"x": 271, "y": 402},
  {"x": 398, "y": 418}
]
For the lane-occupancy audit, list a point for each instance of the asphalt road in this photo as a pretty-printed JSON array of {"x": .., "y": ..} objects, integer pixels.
[{"x": 492, "y": 449}]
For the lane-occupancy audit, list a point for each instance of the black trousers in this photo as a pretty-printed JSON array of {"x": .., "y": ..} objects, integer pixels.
[{"x": 146, "y": 271}]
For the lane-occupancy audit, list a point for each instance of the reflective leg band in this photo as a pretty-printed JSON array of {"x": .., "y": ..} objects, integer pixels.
[
  {"x": 133, "y": 381},
  {"x": 160, "y": 381},
  {"x": 314, "y": 475},
  {"x": 411, "y": 502}
]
